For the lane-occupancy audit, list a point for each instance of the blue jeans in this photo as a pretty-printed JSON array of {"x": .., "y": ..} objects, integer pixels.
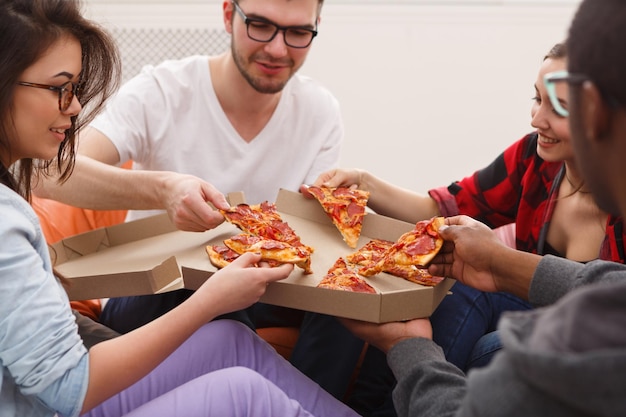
[
  {"x": 485, "y": 348},
  {"x": 462, "y": 318},
  {"x": 125, "y": 314}
]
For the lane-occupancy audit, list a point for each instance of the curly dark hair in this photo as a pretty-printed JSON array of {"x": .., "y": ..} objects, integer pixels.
[
  {"x": 596, "y": 44},
  {"x": 27, "y": 29}
]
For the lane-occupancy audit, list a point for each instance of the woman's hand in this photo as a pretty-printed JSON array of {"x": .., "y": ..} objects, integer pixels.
[
  {"x": 350, "y": 178},
  {"x": 242, "y": 283}
]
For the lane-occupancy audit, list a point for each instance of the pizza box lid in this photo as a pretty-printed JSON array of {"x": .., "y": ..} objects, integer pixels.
[{"x": 149, "y": 256}]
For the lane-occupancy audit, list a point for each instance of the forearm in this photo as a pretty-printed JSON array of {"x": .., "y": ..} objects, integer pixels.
[
  {"x": 427, "y": 385},
  {"x": 98, "y": 186},
  {"x": 141, "y": 350},
  {"x": 513, "y": 270},
  {"x": 556, "y": 276},
  {"x": 393, "y": 201}
]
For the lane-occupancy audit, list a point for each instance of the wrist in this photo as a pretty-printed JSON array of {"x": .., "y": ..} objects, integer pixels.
[{"x": 513, "y": 271}]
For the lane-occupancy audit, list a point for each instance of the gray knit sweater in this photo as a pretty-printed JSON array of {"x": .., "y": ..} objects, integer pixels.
[{"x": 568, "y": 359}]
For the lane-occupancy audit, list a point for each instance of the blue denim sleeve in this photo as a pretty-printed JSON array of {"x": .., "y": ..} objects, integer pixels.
[
  {"x": 67, "y": 394},
  {"x": 40, "y": 349}
]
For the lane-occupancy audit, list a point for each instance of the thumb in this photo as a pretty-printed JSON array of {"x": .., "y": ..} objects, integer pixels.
[
  {"x": 278, "y": 273},
  {"x": 446, "y": 232},
  {"x": 213, "y": 196}
]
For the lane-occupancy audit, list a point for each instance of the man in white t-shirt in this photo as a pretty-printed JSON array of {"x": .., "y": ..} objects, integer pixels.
[
  {"x": 170, "y": 118},
  {"x": 201, "y": 127}
]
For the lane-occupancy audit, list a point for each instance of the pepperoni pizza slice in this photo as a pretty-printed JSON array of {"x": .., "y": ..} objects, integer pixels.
[
  {"x": 263, "y": 220},
  {"x": 370, "y": 254},
  {"x": 270, "y": 250},
  {"x": 413, "y": 273},
  {"x": 419, "y": 246},
  {"x": 341, "y": 277},
  {"x": 345, "y": 207},
  {"x": 408, "y": 257},
  {"x": 220, "y": 255}
]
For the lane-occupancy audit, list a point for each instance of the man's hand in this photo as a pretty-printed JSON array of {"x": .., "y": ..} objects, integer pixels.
[
  {"x": 475, "y": 256},
  {"x": 386, "y": 335},
  {"x": 467, "y": 253},
  {"x": 187, "y": 201}
]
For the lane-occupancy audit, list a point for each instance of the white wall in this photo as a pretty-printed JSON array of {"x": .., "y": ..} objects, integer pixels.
[{"x": 430, "y": 90}]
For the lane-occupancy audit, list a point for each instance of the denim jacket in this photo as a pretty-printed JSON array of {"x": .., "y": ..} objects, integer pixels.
[{"x": 44, "y": 363}]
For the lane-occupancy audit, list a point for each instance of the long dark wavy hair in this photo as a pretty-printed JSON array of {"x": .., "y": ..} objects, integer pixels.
[{"x": 27, "y": 29}]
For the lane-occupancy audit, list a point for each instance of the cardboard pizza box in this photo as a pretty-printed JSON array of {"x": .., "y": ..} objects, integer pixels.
[{"x": 150, "y": 256}]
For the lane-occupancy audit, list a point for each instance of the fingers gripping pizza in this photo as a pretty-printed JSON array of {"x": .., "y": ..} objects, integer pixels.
[{"x": 345, "y": 207}]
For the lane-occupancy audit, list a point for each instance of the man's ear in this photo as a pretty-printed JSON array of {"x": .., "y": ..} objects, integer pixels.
[
  {"x": 228, "y": 10},
  {"x": 594, "y": 112}
]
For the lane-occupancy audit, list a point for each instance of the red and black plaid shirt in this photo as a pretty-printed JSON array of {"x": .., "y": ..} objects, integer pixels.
[{"x": 519, "y": 187}]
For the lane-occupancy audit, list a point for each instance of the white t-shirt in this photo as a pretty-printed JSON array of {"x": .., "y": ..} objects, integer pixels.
[{"x": 168, "y": 118}]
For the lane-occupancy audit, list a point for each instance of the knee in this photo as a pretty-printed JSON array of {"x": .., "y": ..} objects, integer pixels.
[
  {"x": 228, "y": 332},
  {"x": 240, "y": 376},
  {"x": 484, "y": 350}
]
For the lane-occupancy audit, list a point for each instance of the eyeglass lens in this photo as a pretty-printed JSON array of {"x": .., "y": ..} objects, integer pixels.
[
  {"x": 66, "y": 95},
  {"x": 265, "y": 32},
  {"x": 550, "y": 84}
]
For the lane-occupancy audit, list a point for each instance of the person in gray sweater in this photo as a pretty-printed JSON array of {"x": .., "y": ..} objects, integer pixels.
[{"x": 567, "y": 357}]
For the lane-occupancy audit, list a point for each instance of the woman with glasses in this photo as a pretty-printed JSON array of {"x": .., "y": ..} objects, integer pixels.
[
  {"x": 54, "y": 63},
  {"x": 536, "y": 184}
]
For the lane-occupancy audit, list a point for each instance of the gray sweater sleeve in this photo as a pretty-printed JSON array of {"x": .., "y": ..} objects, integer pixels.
[
  {"x": 428, "y": 385},
  {"x": 555, "y": 277},
  {"x": 548, "y": 354}
]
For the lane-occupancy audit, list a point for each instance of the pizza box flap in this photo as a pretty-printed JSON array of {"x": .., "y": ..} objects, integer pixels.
[{"x": 150, "y": 256}]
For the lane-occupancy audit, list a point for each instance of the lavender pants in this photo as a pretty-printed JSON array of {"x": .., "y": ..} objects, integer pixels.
[{"x": 223, "y": 370}]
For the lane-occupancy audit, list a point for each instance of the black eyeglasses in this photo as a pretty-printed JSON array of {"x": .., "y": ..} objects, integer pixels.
[
  {"x": 262, "y": 30},
  {"x": 66, "y": 92}
]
